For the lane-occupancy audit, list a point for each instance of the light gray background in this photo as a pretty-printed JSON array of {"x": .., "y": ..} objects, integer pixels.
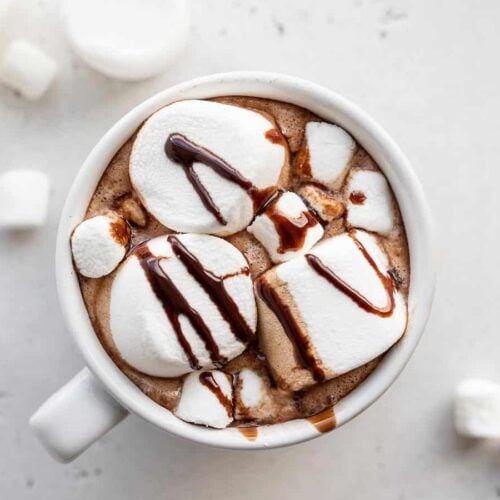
[{"x": 426, "y": 70}]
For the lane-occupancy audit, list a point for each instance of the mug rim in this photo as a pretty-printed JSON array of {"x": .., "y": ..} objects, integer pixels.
[{"x": 332, "y": 107}]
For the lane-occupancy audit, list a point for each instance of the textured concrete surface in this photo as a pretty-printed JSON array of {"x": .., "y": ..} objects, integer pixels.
[{"x": 428, "y": 71}]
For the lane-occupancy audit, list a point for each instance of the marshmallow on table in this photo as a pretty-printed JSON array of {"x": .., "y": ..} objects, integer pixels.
[
  {"x": 127, "y": 39},
  {"x": 24, "y": 199},
  {"x": 340, "y": 334},
  {"x": 234, "y": 134},
  {"x": 326, "y": 153},
  {"x": 477, "y": 409},
  {"x": 27, "y": 69},
  {"x": 142, "y": 320},
  {"x": 99, "y": 244},
  {"x": 286, "y": 228},
  {"x": 369, "y": 202},
  {"x": 206, "y": 399}
]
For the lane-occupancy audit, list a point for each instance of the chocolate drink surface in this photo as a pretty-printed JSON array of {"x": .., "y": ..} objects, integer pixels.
[{"x": 258, "y": 267}]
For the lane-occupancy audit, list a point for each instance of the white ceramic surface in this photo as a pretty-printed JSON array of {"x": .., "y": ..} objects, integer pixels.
[{"x": 326, "y": 104}]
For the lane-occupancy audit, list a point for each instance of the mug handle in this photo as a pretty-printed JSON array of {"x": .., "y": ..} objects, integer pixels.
[{"x": 76, "y": 416}]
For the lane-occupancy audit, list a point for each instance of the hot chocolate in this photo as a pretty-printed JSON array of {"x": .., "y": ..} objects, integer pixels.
[{"x": 244, "y": 263}]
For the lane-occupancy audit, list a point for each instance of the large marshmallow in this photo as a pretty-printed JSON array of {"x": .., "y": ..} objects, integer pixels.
[
  {"x": 24, "y": 199},
  {"x": 99, "y": 244},
  {"x": 27, "y": 69},
  {"x": 369, "y": 202},
  {"x": 477, "y": 409},
  {"x": 341, "y": 334},
  {"x": 207, "y": 404},
  {"x": 286, "y": 218},
  {"x": 127, "y": 39},
  {"x": 235, "y": 134},
  {"x": 329, "y": 152},
  {"x": 140, "y": 326}
]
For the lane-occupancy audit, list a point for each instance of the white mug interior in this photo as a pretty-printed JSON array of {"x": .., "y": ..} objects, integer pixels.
[{"x": 329, "y": 106}]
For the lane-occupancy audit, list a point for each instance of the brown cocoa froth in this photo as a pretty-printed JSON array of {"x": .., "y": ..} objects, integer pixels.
[{"x": 282, "y": 400}]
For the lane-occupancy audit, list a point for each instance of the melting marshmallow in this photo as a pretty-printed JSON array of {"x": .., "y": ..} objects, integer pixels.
[
  {"x": 369, "y": 202},
  {"x": 286, "y": 228},
  {"x": 27, "y": 69},
  {"x": 236, "y": 135},
  {"x": 99, "y": 244},
  {"x": 208, "y": 403},
  {"x": 477, "y": 409},
  {"x": 340, "y": 334},
  {"x": 329, "y": 150},
  {"x": 141, "y": 327},
  {"x": 325, "y": 205},
  {"x": 127, "y": 39},
  {"x": 24, "y": 199}
]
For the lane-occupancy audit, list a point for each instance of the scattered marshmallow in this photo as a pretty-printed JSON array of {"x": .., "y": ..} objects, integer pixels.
[
  {"x": 323, "y": 203},
  {"x": 341, "y": 335},
  {"x": 329, "y": 152},
  {"x": 251, "y": 389},
  {"x": 27, "y": 69},
  {"x": 237, "y": 135},
  {"x": 477, "y": 409},
  {"x": 142, "y": 330},
  {"x": 369, "y": 202},
  {"x": 99, "y": 244},
  {"x": 286, "y": 228},
  {"x": 24, "y": 199},
  {"x": 208, "y": 403},
  {"x": 127, "y": 39}
]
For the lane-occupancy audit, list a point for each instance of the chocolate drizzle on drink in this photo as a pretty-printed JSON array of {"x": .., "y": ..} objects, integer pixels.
[
  {"x": 174, "y": 304},
  {"x": 214, "y": 286},
  {"x": 387, "y": 282},
  {"x": 250, "y": 433},
  {"x": 181, "y": 150},
  {"x": 208, "y": 380},
  {"x": 324, "y": 421},
  {"x": 292, "y": 328},
  {"x": 357, "y": 197},
  {"x": 292, "y": 232}
]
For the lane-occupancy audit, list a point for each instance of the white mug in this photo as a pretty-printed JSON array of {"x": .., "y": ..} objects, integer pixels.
[{"x": 101, "y": 396}]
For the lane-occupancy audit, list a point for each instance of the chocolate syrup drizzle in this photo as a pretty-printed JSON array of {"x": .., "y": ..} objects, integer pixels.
[
  {"x": 292, "y": 232},
  {"x": 292, "y": 328},
  {"x": 289, "y": 323},
  {"x": 386, "y": 280},
  {"x": 214, "y": 286},
  {"x": 174, "y": 303},
  {"x": 184, "y": 152},
  {"x": 324, "y": 421},
  {"x": 208, "y": 380}
]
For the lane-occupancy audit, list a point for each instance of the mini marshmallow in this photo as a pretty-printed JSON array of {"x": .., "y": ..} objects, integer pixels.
[
  {"x": 236, "y": 135},
  {"x": 341, "y": 335},
  {"x": 328, "y": 151},
  {"x": 325, "y": 205},
  {"x": 251, "y": 389},
  {"x": 286, "y": 228},
  {"x": 99, "y": 244},
  {"x": 206, "y": 399},
  {"x": 477, "y": 409},
  {"x": 27, "y": 69},
  {"x": 24, "y": 199},
  {"x": 369, "y": 202},
  {"x": 143, "y": 331},
  {"x": 127, "y": 39}
]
